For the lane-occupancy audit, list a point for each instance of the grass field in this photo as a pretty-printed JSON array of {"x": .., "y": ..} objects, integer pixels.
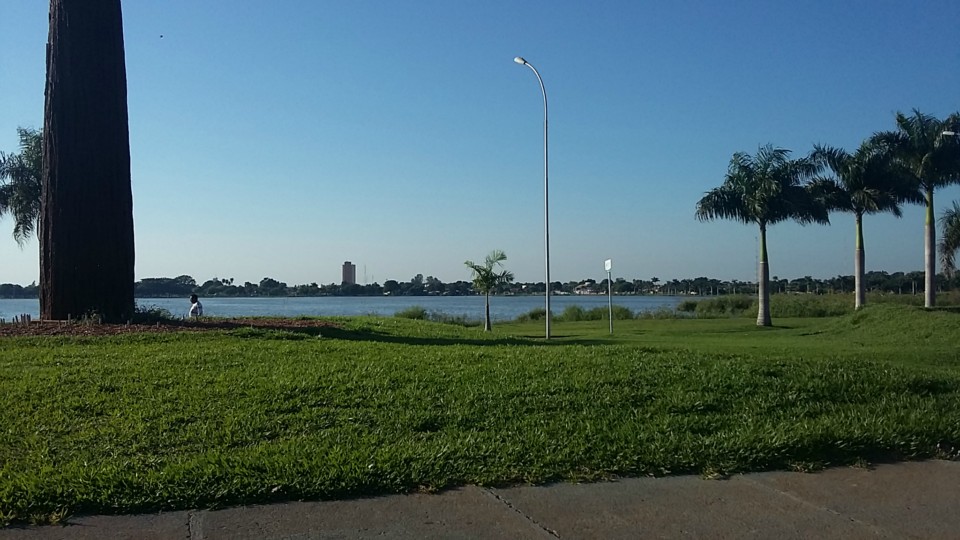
[{"x": 383, "y": 405}]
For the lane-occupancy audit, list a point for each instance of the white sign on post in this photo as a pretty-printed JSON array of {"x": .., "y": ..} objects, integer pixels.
[{"x": 608, "y": 265}]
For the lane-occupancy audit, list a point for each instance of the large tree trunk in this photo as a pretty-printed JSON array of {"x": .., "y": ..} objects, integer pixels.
[
  {"x": 86, "y": 224},
  {"x": 858, "y": 260},
  {"x": 763, "y": 278},
  {"x": 930, "y": 255}
]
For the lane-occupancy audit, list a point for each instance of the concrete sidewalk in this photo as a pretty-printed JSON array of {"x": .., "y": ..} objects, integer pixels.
[{"x": 904, "y": 500}]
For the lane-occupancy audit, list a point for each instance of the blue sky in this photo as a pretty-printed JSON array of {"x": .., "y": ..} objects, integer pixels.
[{"x": 280, "y": 139}]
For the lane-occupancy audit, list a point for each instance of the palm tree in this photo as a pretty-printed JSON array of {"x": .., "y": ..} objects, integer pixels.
[
  {"x": 865, "y": 182},
  {"x": 950, "y": 238},
  {"x": 933, "y": 161},
  {"x": 486, "y": 279},
  {"x": 765, "y": 189},
  {"x": 86, "y": 217},
  {"x": 20, "y": 193}
]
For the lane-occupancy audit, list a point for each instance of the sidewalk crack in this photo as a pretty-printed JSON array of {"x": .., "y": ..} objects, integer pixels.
[
  {"x": 493, "y": 493},
  {"x": 876, "y": 529},
  {"x": 195, "y": 525}
]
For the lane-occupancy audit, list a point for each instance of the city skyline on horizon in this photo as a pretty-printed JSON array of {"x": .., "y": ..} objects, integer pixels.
[{"x": 598, "y": 278}]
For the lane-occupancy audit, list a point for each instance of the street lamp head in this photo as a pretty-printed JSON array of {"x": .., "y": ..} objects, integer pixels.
[
  {"x": 949, "y": 133},
  {"x": 520, "y": 60}
]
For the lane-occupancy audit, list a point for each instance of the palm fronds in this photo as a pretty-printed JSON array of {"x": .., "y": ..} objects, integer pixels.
[
  {"x": 20, "y": 191},
  {"x": 765, "y": 189},
  {"x": 950, "y": 238}
]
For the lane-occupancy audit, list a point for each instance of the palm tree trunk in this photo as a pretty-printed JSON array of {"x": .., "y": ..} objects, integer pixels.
[
  {"x": 486, "y": 319},
  {"x": 858, "y": 260},
  {"x": 763, "y": 313},
  {"x": 86, "y": 224},
  {"x": 930, "y": 255}
]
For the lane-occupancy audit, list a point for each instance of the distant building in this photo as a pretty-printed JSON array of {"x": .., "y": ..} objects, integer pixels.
[
  {"x": 349, "y": 273},
  {"x": 586, "y": 287}
]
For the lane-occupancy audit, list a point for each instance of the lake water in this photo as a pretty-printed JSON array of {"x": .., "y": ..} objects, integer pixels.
[{"x": 501, "y": 307}]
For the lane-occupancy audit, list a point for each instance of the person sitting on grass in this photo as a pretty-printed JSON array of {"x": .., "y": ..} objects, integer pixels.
[{"x": 196, "y": 308}]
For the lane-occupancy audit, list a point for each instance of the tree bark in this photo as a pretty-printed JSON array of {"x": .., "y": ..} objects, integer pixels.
[
  {"x": 86, "y": 224},
  {"x": 859, "y": 287},
  {"x": 763, "y": 293},
  {"x": 930, "y": 255}
]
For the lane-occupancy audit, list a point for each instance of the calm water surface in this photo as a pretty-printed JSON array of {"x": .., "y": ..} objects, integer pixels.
[{"x": 501, "y": 307}]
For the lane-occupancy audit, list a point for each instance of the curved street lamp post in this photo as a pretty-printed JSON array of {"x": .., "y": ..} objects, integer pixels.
[{"x": 546, "y": 192}]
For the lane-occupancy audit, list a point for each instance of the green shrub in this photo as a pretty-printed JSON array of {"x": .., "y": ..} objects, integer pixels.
[
  {"x": 904, "y": 299},
  {"x": 724, "y": 306},
  {"x": 535, "y": 314},
  {"x": 789, "y": 305},
  {"x": 809, "y": 305},
  {"x": 151, "y": 315},
  {"x": 420, "y": 313},
  {"x": 413, "y": 312},
  {"x": 573, "y": 314},
  {"x": 947, "y": 299},
  {"x": 459, "y": 320},
  {"x": 621, "y": 313},
  {"x": 661, "y": 313},
  {"x": 599, "y": 313}
]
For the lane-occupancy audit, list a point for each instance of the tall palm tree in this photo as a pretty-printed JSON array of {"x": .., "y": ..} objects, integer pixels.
[
  {"x": 933, "y": 162},
  {"x": 865, "y": 182},
  {"x": 486, "y": 279},
  {"x": 20, "y": 189},
  {"x": 950, "y": 238},
  {"x": 86, "y": 217},
  {"x": 765, "y": 189}
]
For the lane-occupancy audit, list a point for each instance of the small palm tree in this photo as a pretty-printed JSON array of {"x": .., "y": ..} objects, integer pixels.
[
  {"x": 933, "y": 162},
  {"x": 486, "y": 279},
  {"x": 20, "y": 184},
  {"x": 950, "y": 238},
  {"x": 765, "y": 189},
  {"x": 865, "y": 182}
]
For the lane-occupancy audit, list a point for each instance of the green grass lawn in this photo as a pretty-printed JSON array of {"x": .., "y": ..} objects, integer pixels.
[{"x": 385, "y": 405}]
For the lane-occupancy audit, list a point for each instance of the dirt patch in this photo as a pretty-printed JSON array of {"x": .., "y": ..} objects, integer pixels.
[{"x": 73, "y": 328}]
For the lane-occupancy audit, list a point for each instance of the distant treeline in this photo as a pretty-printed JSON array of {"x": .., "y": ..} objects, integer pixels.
[
  {"x": 10, "y": 290},
  {"x": 180, "y": 286}
]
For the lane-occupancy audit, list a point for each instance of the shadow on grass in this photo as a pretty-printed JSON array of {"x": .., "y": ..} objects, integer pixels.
[
  {"x": 297, "y": 329},
  {"x": 383, "y": 337}
]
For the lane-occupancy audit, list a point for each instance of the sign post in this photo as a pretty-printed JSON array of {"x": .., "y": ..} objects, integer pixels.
[{"x": 608, "y": 265}]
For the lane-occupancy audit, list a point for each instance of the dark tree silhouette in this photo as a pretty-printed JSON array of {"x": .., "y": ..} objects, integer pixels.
[{"x": 86, "y": 223}]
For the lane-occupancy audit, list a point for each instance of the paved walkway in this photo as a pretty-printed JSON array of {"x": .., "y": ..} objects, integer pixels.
[{"x": 906, "y": 500}]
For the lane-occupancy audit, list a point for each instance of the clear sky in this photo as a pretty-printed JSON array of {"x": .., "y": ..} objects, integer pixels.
[{"x": 281, "y": 138}]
